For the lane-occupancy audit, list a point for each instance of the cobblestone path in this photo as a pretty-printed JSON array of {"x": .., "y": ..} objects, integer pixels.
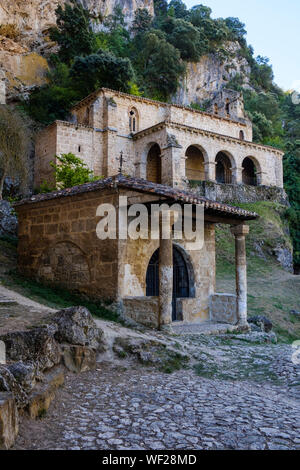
[{"x": 116, "y": 407}]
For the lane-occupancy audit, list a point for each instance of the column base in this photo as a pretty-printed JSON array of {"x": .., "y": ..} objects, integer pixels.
[
  {"x": 166, "y": 328},
  {"x": 243, "y": 326}
]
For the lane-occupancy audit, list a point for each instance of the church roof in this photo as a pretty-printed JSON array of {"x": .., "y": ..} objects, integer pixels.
[{"x": 144, "y": 186}]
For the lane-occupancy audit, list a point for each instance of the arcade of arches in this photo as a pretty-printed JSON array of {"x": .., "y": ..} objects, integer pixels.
[{"x": 195, "y": 167}]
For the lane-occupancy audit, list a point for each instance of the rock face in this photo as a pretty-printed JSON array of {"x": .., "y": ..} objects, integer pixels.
[
  {"x": 75, "y": 325},
  {"x": 8, "y": 220},
  {"x": 22, "y": 57},
  {"x": 206, "y": 77}
]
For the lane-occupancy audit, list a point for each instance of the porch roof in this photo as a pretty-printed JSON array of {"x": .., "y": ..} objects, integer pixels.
[{"x": 144, "y": 186}]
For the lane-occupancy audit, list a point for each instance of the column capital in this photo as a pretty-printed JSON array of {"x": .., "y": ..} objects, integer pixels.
[{"x": 240, "y": 230}]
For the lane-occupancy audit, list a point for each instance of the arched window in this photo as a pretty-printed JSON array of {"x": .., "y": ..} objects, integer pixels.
[
  {"x": 242, "y": 135},
  {"x": 216, "y": 109},
  {"x": 133, "y": 120}
]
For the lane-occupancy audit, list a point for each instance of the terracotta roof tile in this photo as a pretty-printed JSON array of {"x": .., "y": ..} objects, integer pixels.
[{"x": 144, "y": 186}]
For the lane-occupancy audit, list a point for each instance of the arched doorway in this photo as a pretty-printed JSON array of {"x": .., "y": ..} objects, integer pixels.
[
  {"x": 154, "y": 164},
  {"x": 194, "y": 164},
  {"x": 181, "y": 279},
  {"x": 249, "y": 172},
  {"x": 223, "y": 168}
]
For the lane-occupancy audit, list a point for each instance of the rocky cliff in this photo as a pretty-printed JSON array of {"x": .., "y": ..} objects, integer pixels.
[
  {"x": 25, "y": 42},
  {"x": 206, "y": 77}
]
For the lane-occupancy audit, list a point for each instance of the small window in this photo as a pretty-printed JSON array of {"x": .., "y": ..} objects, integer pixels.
[
  {"x": 216, "y": 109},
  {"x": 133, "y": 120},
  {"x": 242, "y": 135},
  {"x": 79, "y": 148},
  {"x": 227, "y": 107}
]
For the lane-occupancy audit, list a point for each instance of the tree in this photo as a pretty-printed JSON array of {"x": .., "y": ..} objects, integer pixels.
[
  {"x": 160, "y": 7},
  {"x": 15, "y": 146},
  {"x": 142, "y": 21},
  {"x": 180, "y": 9},
  {"x": 73, "y": 32},
  {"x": 236, "y": 28},
  {"x": 162, "y": 66},
  {"x": 185, "y": 37},
  {"x": 101, "y": 70},
  {"x": 53, "y": 101},
  {"x": 71, "y": 171}
]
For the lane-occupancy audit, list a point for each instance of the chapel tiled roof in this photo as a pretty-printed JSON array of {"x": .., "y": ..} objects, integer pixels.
[{"x": 144, "y": 186}]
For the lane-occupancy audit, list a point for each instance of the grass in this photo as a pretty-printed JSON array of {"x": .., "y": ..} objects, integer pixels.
[
  {"x": 272, "y": 291},
  {"x": 56, "y": 297}
]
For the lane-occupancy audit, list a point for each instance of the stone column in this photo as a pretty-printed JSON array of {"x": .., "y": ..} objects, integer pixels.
[
  {"x": 237, "y": 175},
  {"x": 210, "y": 171},
  {"x": 165, "y": 278},
  {"x": 240, "y": 231},
  {"x": 262, "y": 178},
  {"x": 171, "y": 162}
]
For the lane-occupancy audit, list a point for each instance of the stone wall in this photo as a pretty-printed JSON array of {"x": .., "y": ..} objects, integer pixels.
[
  {"x": 58, "y": 245},
  {"x": 222, "y": 309},
  {"x": 238, "y": 193},
  {"x": 142, "y": 310}
]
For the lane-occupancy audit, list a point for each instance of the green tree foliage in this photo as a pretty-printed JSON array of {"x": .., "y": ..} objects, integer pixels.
[
  {"x": 291, "y": 116},
  {"x": 179, "y": 8},
  {"x": 184, "y": 37},
  {"x": 236, "y": 29},
  {"x": 161, "y": 66},
  {"x": 160, "y": 8},
  {"x": 15, "y": 146},
  {"x": 73, "y": 32},
  {"x": 142, "y": 21},
  {"x": 71, "y": 171},
  {"x": 101, "y": 69}
]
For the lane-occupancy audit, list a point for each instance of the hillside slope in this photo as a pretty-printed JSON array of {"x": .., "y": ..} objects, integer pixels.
[{"x": 272, "y": 290}]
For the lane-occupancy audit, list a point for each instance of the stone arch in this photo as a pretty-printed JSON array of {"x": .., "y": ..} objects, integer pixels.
[
  {"x": 224, "y": 165},
  {"x": 133, "y": 120},
  {"x": 64, "y": 263},
  {"x": 195, "y": 163},
  {"x": 251, "y": 171},
  {"x": 153, "y": 164}
]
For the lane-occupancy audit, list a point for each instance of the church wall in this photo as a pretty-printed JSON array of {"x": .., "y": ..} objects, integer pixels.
[{"x": 58, "y": 245}]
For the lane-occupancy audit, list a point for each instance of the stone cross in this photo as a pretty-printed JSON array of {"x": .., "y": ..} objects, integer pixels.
[{"x": 121, "y": 160}]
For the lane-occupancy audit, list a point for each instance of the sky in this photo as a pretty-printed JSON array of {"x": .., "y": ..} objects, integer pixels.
[{"x": 273, "y": 29}]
